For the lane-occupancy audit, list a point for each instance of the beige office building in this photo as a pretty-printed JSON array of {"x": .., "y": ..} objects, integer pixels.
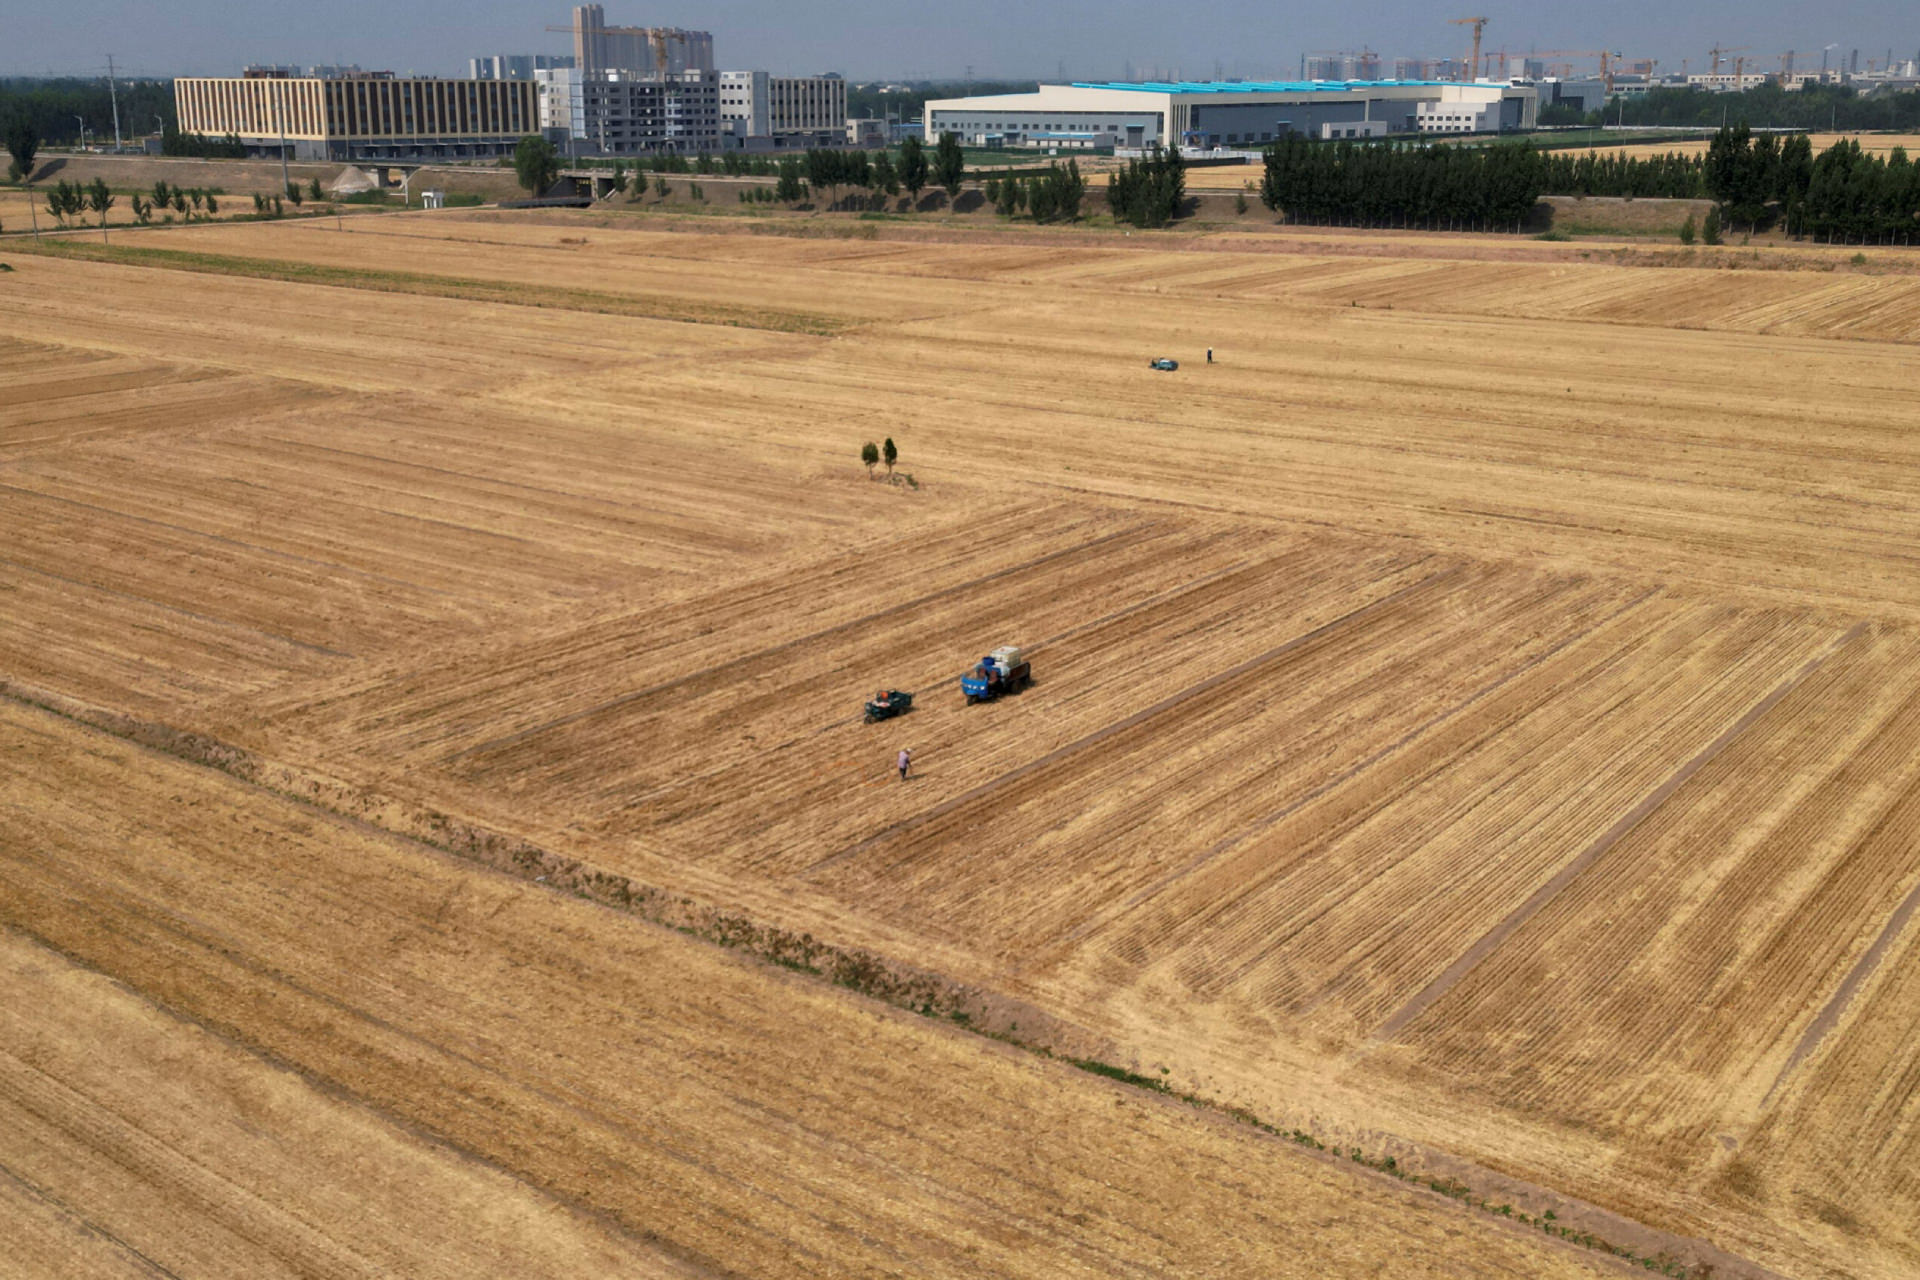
[{"x": 370, "y": 116}]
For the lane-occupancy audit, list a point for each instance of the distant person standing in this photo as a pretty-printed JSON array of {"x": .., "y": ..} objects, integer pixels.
[
  {"x": 906, "y": 760},
  {"x": 1209, "y": 355}
]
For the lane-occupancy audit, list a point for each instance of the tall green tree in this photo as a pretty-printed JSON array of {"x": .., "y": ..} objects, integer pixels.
[
  {"x": 870, "y": 455},
  {"x": 913, "y": 166},
  {"x": 536, "y": 164},
  {"x": 889, "y": 455},
  {"x": 23, "y": 144},
  {"x": 949, "y": 165},
  {"x": 790, "y": 187}
]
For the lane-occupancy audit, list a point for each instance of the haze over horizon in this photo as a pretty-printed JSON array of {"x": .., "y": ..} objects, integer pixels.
[{"x": 866, "y": 39}]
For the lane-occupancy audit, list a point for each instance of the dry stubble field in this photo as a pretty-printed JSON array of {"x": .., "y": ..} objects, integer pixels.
[{"x": 1476, "y": 720}]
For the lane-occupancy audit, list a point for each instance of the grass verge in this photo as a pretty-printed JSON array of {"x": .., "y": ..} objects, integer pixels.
[{"x": 681, "y": 310}]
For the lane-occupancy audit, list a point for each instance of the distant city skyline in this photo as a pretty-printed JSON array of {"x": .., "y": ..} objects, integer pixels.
[{"x": 868, "y": 39}]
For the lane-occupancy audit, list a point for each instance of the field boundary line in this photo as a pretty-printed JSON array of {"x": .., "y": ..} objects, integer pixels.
[
  {"x": 1843, "y": 996},
  {"x": 209, "y": 619},
  {"x": 459, "y": 288},
  {"x": 329, "y": 565},
  {"x": 66, "y": 1210},
  {"x": 574, "y": 717},
  {"x": 1493, "y": 938},
  {"x": 901, "y": 987},
  {"x": 1228, "y": 843},
  {"x": 1137, "y": 718}
]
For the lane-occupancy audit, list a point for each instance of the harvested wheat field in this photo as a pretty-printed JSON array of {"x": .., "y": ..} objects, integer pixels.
[{"x": 1475, "y": 731}]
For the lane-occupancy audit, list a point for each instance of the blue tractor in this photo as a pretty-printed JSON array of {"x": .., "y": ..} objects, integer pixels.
[{"x": 1005, "y": 670}]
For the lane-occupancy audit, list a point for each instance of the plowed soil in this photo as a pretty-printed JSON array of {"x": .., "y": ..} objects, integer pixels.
[{"x": 1475, "y": 719}]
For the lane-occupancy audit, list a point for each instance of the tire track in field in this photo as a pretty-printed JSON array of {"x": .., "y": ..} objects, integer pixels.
[
  {"x": 207, "y": 618},
  {"x": 329, "y": 565},
  {"x": 87, "y": 1224},
  {"x": 1131, "y": 533},
  {"x": 1039, "y": 646},
  {"x": 1836, "y": 1006},
  {"x": 1229, "y": 843},
  {"x": 1495, "y": 937},
  {"x": 1138, "y": 717}
]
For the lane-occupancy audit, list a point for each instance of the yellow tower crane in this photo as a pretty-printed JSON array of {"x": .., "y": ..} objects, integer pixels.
[{"x": 1473, "y": 59}]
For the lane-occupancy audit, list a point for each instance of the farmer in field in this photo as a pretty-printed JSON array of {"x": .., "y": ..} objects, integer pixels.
[{"x": 906, "y": 759}]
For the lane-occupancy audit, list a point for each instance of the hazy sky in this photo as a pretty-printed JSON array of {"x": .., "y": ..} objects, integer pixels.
[{"x": 871, "y": 38}]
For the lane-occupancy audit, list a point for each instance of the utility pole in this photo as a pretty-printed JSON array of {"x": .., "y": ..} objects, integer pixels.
[{"x": 113, "y": 92}]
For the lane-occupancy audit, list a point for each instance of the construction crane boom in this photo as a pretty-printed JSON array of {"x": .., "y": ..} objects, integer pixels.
[
  {"x": 1718, "y": 50},
  {"x": 1478, "y": 25}
]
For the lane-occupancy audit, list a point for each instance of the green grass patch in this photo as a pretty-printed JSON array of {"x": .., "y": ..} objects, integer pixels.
[
  {"x": 514, "y": 293},
  {"x": 1093, "y": 1066}
]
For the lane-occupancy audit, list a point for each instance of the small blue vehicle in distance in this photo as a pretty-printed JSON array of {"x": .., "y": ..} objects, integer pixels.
[
  {"x": 1165, "y": 364},
  {"x": 1005, "y": 670}
]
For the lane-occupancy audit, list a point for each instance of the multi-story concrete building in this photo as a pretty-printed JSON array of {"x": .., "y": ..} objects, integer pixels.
[
  {"x": 1218, "y": 113},
  {"x": 1726, "y": 83},
  {"x": 784, "y": 111},
  {"x": 515, "y": 66},
  {"x": 370, "y": 115},
  {"x": 620, "y": 113},
  {"x": 636, "y": 50}
]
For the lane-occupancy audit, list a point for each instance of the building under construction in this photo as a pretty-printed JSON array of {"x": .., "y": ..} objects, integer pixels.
[{"x": 640, "y": 51}]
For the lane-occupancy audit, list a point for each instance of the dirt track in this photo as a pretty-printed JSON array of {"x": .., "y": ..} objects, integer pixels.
[{"x": 1477, "y": 712}]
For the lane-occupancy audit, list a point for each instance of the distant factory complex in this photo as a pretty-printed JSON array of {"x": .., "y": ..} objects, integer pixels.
[
  {"x": 1215, "y": 114},
  {"x": 638, "y": 91}
]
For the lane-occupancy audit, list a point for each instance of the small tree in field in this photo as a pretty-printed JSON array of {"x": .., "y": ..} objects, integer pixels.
[
  {"x": 913, "y": 166},
  {"x": 536, "y": 164},
  {"x": 949, "y": 165},
  {"x": 99, "y": 199},
  {"x": 1711, "y": 232},
  {"x": 315, "y": 192},
  {"x": 870, "y": 455},
  {"x": 1688, "y": 230},
  {"x": 889, "y": 455}
]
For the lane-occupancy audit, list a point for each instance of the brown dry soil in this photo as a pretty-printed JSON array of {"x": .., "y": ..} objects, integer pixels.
[{"x": 1476, "y": 722}]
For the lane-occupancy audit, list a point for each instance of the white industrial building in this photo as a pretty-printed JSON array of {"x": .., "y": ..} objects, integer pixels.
[
  {"x": 1233, "y": 113},
  {"x": 1456, "y": 117},
  {"x": 783, "y": 111}
]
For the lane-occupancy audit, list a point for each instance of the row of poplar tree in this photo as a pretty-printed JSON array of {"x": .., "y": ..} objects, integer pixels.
[
  {"x": 1430, "y": 187},
  {"x": 1844, "y": 193}
]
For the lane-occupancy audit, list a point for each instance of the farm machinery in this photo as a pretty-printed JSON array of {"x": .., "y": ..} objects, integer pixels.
[
  {"x": 1005, "y": 670},
  {"x": 887, "y": 704}
]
